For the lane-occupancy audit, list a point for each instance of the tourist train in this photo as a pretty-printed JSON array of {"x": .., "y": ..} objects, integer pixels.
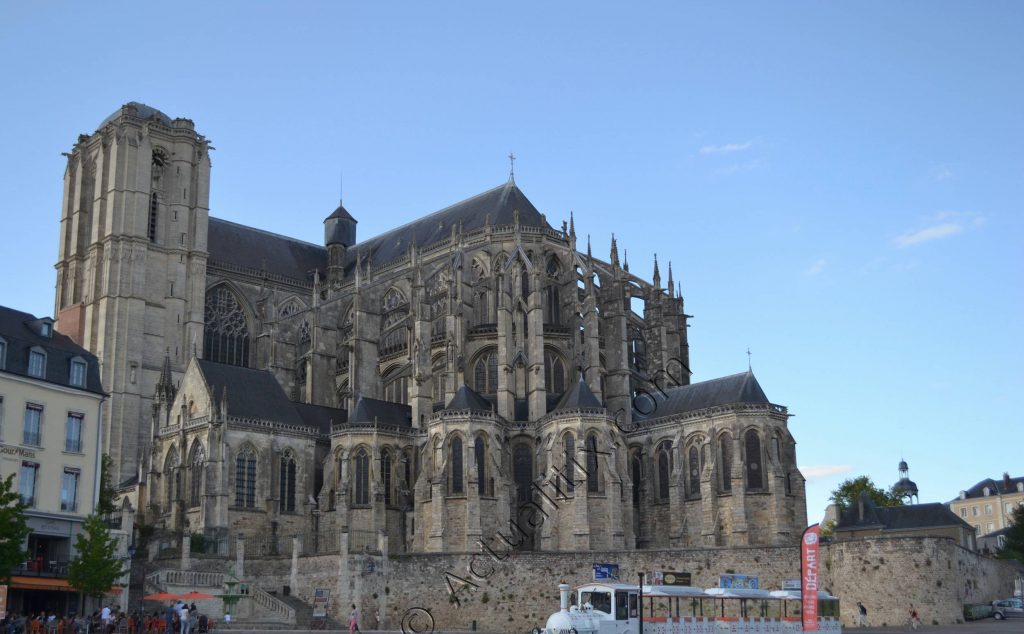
[{"x": 617, "y": 608}]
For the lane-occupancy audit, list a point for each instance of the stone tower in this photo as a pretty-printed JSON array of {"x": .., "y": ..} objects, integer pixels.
[{"x": 132, "y": 264}]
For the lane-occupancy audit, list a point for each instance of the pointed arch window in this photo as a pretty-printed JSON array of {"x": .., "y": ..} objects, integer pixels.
[
  {"x": 693, "y": 458},
  {"x": 554, "y": 373},
  {"x": 226, "y": 334},
  {"x": 245, "y": 479},
  {"x": 385, "y": 475},
  {"x": 522, "y": 472},
  {"x": 362, "y": 492},
  {"x": 171, "y": 477},
  {"x": 479, "y": 454},
  {"x": 752, "y": 446},
  {"x": 485, "y": 373},
  {"x": 287, "y": 484},
  {"x": 455, "y": 459},
  {"x": 725, "y": 455},
  {"x": 524, "y": 282},
  {"x": 593, "y": 481},
  {"x": 437, "y": 383},
  {"x": 569, "y": 463},
  {"x": 195, "y": 476},
  {"x": 637, "y": 350},
  {"x": 664, "y": 471},
  {"x": 552, "y": 307},
  {"x": 305, "y": 339}
]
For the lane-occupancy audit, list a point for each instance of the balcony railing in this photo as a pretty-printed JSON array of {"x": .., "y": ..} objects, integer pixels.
[{"x": 42, "y": 568}]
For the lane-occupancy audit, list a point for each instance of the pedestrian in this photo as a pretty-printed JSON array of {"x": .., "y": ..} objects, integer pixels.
[
  {"x": 353, "y": 619},
  {"x": 915, "y": 621},
  {"x": 862, "y": 616},
  {"x": 183, "y": 617}
]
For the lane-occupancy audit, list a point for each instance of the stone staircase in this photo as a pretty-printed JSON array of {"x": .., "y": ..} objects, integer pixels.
[
  {"x": 257, "y": 608},
  {"x": 304, "y": 613}
]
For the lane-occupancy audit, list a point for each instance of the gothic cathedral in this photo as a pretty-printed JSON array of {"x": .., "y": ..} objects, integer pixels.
[{"x": 471, "y": 373}]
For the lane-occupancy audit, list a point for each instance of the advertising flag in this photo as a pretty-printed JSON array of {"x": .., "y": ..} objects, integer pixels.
[{"x": 809, "y": 566}]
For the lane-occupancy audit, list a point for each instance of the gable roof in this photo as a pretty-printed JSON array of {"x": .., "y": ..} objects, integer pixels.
[
  {"x": 578, "y": 396},
  {"x": 236, "y": 244},
  {"x": 910, "y": 516},
  {"x": 467, "y": 399},
  {"x": 21, "y": 331},
  {"x": 500, "y": 203},
  {"x": 251, "y": 393},
  {"x": 372, "y": 410},
  {"x": 728, "y": 390}
]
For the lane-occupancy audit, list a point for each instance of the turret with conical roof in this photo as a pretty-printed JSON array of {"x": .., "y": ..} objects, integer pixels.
[
  {"x": 339, "y": 235},
  {"x": 905, "y": 488}
]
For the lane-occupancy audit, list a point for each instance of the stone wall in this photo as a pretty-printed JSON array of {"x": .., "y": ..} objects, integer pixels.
[
  {"x": 516, "y": 591},
  {"x": 888, "y": 574}
]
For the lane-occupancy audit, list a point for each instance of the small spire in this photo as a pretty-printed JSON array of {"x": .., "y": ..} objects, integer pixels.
[
  {"x": 657, "y": 274},
  {"x": 750, "y": 367},
  {"x": 511, "y": 167},
  {"x": 572, "y": 225},
  {"x": 615, "y": 252},
  {"x": 671, "y": 284},
  {"x": 625, "y": 260},
  {"x": 589, "y": 256}
]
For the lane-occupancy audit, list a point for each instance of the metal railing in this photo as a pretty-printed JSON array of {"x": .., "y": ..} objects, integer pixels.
[
  {"x": 322, "y": 543},
  {"x": 361, "y": 541},
  {"x": 268, "y": 546}
]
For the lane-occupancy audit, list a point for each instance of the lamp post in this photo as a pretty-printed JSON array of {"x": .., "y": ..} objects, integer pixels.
[{"x": 640, "y": 601}]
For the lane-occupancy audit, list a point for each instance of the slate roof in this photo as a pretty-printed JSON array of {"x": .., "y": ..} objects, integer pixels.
[
  {"x": 320, "y": 416},
  {"x": 142, "y": 111},
  {"x": 578, "y": 396},
  {"x": 728, "y": 390},
  {"x": 251, "y": 393},
  {"x": 995, "y": 487},
  {"x": 341, "y": 212},
  {"x": 21, "y": 331},
  {"x": 467, "y": 399},
  {"x": 910, "y": 516},
  {"x": 252, "y": 248},
  {"x": 500, "y": 203},
  {"x": 372, "y": 410}
]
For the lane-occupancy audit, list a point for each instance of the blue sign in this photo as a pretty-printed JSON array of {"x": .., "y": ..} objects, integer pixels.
[
  {"x": 744, "y": 582},
  {"x": 606, "y": 572}
]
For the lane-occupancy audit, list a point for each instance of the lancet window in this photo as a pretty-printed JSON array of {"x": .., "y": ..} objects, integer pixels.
[
  {"x": 664, "y": 470},
  {"x": 593, "y": 479},
  {"x": 394, "y": 329},
  {"x": 195, "y": 475},
  {"x": 245, "y": 478},
  {"x": 455, "y": 460},
  {"x": 287, "y": 483},
  {"x": 385, "y": 474},
  {"x": 752, "y": 447},
  {"x": 693, "y": 462},
  {"x": 362, "y": 488},
  {"x": 485, "y": 373},
  {"x": 725, "y": 461},
  {"x": 554, "y": 373}
]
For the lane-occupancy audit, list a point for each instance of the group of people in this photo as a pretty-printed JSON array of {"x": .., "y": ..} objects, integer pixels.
[
  {"x": 862, "y": 616},
  {"x": 108, "y": 620},
  {"x": 179, "y": 618}
]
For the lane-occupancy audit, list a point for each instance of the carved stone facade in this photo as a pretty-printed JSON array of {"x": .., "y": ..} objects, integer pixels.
[{"x": 467, "y": 374}]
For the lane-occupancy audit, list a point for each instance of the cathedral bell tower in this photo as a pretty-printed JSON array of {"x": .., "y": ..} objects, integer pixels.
[{"x": 131, "y": 269}]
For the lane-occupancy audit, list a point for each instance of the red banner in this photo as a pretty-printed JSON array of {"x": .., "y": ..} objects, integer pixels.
[{"x": 809, "y": 577}]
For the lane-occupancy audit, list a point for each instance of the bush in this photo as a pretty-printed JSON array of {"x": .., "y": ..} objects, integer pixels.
[{"x": 197, "y": 543}]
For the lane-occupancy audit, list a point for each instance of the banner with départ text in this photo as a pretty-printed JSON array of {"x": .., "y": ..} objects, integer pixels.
[{"x": 809, "y": 568}]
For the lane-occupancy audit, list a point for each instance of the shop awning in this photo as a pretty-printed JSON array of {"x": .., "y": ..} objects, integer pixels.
[{"x": 40, "y": 583}]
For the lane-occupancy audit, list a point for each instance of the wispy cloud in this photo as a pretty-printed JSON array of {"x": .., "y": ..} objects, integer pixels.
[
  {"x": 817, "y": 472},
  {"x": 817, "y": 267},
  {"x": 737, "y": 168},
  {"x": 943, "y": 225},
  {"x": 941, "y": 173},
  {"x": 934, "y": 232},
  {"x": 725, "y": 148}
]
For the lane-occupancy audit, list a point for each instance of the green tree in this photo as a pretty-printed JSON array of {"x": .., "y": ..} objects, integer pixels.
[
  {"x": 96, "y": 567},
  {"x": 108, "y": 494},
  {"x": 848, "y": 492},
  {"x": 1013, "y": 548},
  {"x": 13, "y": 529}
]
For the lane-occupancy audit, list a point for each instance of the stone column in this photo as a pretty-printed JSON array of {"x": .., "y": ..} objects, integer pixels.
[
  {"x": 186, "y": 549},
  {"x": 739, "y": 498},
  {"x": 240, "y": 556},
  {"x": 293, "y": 580}
]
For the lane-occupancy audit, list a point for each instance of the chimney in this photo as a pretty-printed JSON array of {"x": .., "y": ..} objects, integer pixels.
[
  {"x": 563, "y": 592},
  {"x": 1006, "y": 481}
]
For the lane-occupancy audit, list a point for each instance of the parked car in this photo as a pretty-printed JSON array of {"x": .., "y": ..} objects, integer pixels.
[{"x": 1008, "y": 608}]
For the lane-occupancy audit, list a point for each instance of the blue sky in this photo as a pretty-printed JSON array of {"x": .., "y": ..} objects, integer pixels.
[{"x": 838, "y": 186}]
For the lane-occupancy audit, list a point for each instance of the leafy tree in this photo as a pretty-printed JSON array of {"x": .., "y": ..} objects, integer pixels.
[
  {"x": 848, "y": 493},
  {"x": 96, "y": 567},
  {"x": 1014, "y": 546},
  {"x": 13, "y": 529},
  {"x": 108, "y": 494}
]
